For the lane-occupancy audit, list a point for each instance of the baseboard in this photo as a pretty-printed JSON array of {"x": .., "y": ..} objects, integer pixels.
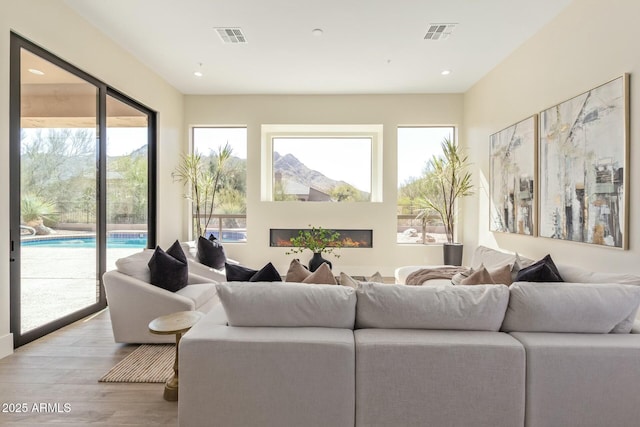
[{"x": 6, "y": 345}]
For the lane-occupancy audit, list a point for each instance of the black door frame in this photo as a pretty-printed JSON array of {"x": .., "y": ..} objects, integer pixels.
[{"x": 17, "y": 44}]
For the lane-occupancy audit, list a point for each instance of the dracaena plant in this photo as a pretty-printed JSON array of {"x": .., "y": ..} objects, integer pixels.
[
  {"x": 203, "y": 181},
  {"x": 447, "y": 179}
]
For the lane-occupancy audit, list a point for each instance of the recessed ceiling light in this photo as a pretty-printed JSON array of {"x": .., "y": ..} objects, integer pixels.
[
  {"x": 198, "y": 72},
  {"x": 445, "y": 72},
  {"x": 36, "y": 72},
  {"x": 317, "y": 32}
]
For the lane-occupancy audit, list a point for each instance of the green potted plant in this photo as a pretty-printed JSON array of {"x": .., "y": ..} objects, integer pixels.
[
  {"x": 318, "y": 240},
  {"x": 447, "y": 180},
  {"x": 203, "y": 181}
]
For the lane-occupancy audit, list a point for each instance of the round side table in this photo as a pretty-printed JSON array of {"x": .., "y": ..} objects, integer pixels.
[{"x": 174, "y": 324}]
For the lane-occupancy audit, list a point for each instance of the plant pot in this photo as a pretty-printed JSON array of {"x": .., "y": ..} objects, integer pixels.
[
  {"x": 452, "y": 253},
  {"x": 317, "y": 260}
]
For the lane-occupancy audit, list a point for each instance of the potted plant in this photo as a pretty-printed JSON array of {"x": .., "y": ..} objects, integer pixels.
[
  {"x": 318, "y": 240},
  {"x": 447, "y": 180},
  {"x": 203, "y": 182}
]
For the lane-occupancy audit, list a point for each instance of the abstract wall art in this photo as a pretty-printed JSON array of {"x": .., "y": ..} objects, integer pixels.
[
  {"x": 584, "y": 161},
  {"x": 512, "y": 185}
]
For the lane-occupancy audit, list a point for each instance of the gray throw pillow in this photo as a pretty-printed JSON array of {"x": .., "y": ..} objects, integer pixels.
[{"x": 297, "y": 272}]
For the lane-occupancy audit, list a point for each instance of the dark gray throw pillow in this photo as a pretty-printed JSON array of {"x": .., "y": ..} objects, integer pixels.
[
  {"x": 544, "y": 270},
  {"x": 238, "y": 273},
  {"x": 169, "y": 270},
  {"x": 211, "y": 253},
  {"x": 268, "y": 273}
]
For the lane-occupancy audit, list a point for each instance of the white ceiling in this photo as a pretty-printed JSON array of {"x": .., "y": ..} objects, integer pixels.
[{"x": 368, "y": 46}]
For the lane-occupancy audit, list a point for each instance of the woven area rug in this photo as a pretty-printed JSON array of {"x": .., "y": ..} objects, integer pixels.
[{"x": 146, "y": 364}]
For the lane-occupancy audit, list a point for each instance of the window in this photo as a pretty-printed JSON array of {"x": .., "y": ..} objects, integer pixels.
[
  {"x": 416, "y": 145},
  {"x": 321, "y": 163},
  {"x": 227, "y": 222}
]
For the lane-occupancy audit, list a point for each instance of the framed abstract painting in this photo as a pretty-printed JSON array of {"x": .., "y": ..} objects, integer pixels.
[
  {"x": 512, "y": 180},
  {"x": 584, "y": 173}
]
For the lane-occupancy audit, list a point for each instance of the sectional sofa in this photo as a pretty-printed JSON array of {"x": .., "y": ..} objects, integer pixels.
[{"x": 533, "y": 354}]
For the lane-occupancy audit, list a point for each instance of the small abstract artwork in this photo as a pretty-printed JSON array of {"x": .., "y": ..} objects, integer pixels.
[
  {"x": 584, "y": 167},
  {"x": 512, "y": 183}
]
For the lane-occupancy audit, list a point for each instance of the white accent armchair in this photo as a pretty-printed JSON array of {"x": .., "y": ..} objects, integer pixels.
[{"x": 134, "y": 301}]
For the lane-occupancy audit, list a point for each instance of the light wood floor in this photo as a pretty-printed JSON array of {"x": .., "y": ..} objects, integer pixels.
[{"x": 64, "y": 368}]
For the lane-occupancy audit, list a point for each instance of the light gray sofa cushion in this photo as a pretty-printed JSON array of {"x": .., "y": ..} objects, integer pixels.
[
  {"x": 571, "y": 307},
  {"x": 288, "y": 304},
  {"x": 479, "y": 308},
  {"x": 585, "y": 380},
  {"x": 438, "y": 378},
  {"x": 579, "y": 275},
  {"x": 492, "y": 258},
  {"x": 266, "y": 377}
]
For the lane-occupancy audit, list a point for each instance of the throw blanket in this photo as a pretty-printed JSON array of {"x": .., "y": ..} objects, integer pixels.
[{"x": 418, "y": 277}]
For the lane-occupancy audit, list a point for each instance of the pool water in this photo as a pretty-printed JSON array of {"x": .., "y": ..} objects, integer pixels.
[{"x": 88, "y": 242}]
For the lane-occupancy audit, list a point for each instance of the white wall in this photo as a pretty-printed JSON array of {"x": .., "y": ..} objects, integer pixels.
[
  {"x": 50, "y": 24},
  {"x": 387, "y": 110},
  {"x": 589, "y": 43}
]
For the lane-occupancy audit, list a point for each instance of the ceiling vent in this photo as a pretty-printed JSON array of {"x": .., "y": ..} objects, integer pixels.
[
  {"x": 439, "y": 31},
  {"x": 231, "y": 35}
]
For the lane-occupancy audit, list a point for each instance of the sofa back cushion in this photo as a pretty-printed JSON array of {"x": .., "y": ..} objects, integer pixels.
[
  {"x": 479, "y": 307},
  {"x": 490, "y": 258},
  {"x": 579, "y": 275},
  {"x": 288, "y": 304},
  {"x": 136, "y": 265},
  {"x": 571, "y": 307}
]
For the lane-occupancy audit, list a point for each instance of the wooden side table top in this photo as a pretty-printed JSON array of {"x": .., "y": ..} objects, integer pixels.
[{"x": 174, "y": 323}]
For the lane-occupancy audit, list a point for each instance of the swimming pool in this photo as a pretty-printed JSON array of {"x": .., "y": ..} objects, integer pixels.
[{"x": 87, "y": 242}]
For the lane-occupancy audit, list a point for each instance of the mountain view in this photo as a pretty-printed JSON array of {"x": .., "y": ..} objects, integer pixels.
[{"x": 297, "y": 179}]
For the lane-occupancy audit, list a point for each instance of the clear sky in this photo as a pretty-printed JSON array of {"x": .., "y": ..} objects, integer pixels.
[
  {"x": 207, "y": 139},
  {"x": 123, "y": 141},
  {"x": 416, "y": 145}
]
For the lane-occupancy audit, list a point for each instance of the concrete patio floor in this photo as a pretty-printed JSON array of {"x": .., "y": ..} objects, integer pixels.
[{"x": 57, "y": 281}]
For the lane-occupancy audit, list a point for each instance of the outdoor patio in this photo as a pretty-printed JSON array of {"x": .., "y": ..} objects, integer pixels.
[{"x": 57, "y": 281}]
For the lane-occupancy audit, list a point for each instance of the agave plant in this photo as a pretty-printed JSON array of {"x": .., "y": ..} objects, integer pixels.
[{"x": 34, "y": 209}]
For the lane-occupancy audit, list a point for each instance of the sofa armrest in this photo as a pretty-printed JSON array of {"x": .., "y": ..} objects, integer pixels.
[
  {"x": 211, "y": 274},
  {"x": 195, "y": 279},
  {"x": 134, "y": 303}
]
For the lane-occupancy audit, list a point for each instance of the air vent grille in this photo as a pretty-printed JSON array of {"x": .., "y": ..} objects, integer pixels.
[
  {"x": 439, "y": 31},
  {"x": 231, "y": 35}
]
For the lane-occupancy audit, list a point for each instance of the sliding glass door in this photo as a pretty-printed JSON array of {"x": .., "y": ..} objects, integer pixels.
[
  {"x": 127, "y": 178},
  {"x": 80, "y": 197}
]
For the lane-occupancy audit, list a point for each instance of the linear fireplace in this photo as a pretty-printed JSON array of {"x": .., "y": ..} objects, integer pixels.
[{"x": 281, "y": 237}]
